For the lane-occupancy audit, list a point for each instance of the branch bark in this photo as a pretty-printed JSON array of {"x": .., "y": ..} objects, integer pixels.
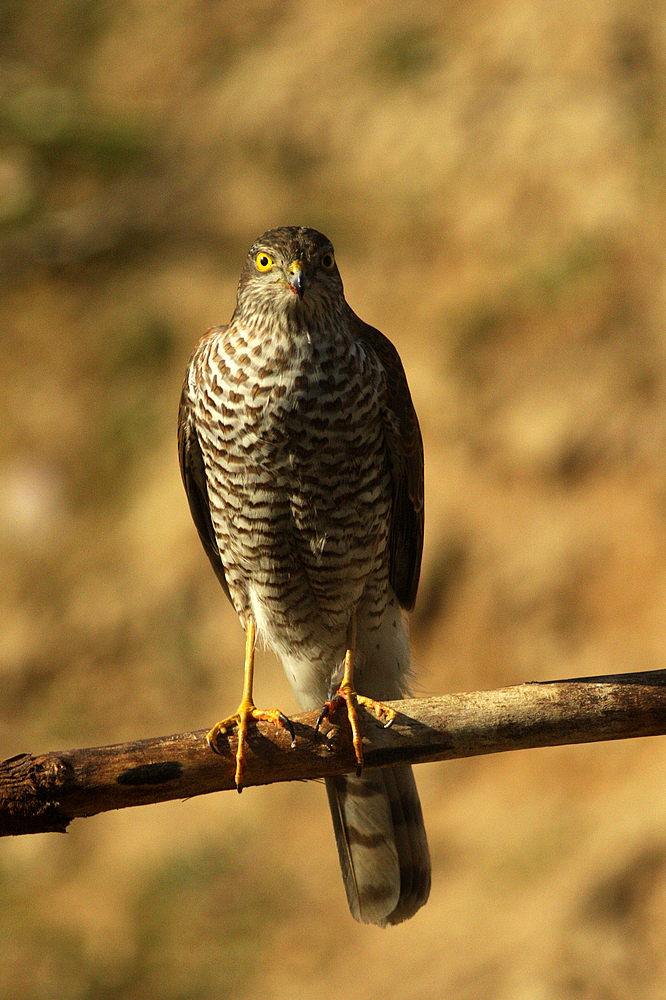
[{"x": 41, "y": 794}]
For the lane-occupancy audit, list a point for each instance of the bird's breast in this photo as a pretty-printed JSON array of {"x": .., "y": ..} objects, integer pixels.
[
  {"x": 299, "y": 487},
  {"x": 313, "y": 414}
]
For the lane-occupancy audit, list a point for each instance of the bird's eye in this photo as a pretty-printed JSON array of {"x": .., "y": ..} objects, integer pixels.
[
  {"x": 328, "y": 261},
  {"x": 263, "y": 262}
]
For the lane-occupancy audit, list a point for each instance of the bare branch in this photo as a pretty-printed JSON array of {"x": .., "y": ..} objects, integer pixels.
[{"x": 44, "y": 793}]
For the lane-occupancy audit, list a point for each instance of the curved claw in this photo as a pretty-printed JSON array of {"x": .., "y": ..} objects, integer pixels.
[
  {"x": 287, "y": 724},
  {"x": 324, "y": 714}
]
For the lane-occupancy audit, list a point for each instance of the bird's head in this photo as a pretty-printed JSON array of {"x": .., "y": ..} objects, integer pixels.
[{"x": 290, "y": 271}]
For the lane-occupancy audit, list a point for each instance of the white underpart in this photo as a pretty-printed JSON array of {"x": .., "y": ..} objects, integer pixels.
[{"x": 381, "y": 661}]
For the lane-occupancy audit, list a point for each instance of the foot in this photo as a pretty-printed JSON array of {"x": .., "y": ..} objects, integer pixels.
[
  {"x": 346, "y": 695},
  {"x": 241, "y": 719}
]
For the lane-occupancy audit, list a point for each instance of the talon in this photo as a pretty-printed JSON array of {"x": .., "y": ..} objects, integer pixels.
[
  {"x": 324, "y": 714},
  {"x": 213, "y": 736},
  {"x": 287, "y": 724}
]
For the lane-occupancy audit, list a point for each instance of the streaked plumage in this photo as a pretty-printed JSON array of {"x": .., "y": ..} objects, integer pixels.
[{"x": 302, "y": 460}]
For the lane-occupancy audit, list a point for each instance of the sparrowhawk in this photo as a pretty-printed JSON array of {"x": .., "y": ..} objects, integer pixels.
[{"x": 302, "y": 459}]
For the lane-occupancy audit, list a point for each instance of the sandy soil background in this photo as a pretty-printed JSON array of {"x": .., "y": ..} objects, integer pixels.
[{"x": 493, "y": 176}]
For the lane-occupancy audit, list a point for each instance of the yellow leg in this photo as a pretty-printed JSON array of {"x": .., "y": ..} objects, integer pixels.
[
  {"x": 348, "y": 695},
  {"x": 246, "y": 711}
]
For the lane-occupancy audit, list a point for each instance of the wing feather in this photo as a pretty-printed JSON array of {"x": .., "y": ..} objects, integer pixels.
[
  {"x": 405, "y": 453},
  {"x": 193, "y": 471}
]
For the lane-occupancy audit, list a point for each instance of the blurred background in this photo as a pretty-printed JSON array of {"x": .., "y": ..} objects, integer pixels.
[{"x": 493, "y": 176}]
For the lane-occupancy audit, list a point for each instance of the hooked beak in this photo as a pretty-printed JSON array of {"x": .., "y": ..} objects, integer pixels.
[{"x": 297, "y": 278}]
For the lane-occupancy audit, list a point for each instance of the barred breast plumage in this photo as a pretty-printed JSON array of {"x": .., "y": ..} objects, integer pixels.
[{"x": 302, "y": 461}]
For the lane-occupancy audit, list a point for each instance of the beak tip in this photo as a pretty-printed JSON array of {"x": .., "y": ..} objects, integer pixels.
[{"x": 297, "y": 284}]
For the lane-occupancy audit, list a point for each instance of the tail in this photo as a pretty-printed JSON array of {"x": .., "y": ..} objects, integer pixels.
[
  {"x": 382, "y": 844},
  {"x": 377, "y": 818}
]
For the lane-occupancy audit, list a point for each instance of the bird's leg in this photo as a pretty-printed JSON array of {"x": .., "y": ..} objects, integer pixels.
[
  {"x": 247, "y": 711},
  {"x": 347, "y": 695}
]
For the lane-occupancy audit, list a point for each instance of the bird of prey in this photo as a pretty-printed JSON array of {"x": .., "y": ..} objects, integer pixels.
[{"x": 302, "y": 460}]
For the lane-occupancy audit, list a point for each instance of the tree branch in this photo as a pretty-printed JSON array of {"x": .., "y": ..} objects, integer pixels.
[{"x": 40, "y": 794}]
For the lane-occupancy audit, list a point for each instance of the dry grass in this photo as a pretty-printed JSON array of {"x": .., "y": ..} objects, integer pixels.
[{"x": 493, "y": 178}]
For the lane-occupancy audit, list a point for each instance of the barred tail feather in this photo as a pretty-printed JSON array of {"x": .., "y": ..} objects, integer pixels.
[
  {"x": 381, "y": 843},
  {"x": 411, "y": 842}
]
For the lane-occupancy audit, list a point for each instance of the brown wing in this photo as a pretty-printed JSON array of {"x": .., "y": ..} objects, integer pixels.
[
  {"x": 405, "y": 452},
  {"x": 193, "y": 471}
]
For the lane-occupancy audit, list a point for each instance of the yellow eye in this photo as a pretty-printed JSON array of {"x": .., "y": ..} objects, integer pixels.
[
  {"x": 264, "y": 262},
  {"x": 328, "y": 261}
]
